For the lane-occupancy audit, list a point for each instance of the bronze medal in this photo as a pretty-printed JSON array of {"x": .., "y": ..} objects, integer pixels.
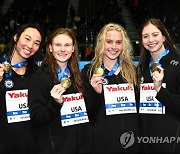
[
  {"x": 8, "y": 67},
  {"x": 99, "y": 71},
  {"x": 154, "y": 67},
  {"x": 66, "y": 82}
]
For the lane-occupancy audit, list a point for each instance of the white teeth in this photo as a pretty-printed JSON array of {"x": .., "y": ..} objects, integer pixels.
[
  {"x": 151, "y": 45},
  {"x": 27, "y": 51},
  {"x": 113, "y": 52}
]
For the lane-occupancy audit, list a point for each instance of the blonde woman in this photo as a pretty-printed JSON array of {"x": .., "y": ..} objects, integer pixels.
[{"x": 109, "y": 82}]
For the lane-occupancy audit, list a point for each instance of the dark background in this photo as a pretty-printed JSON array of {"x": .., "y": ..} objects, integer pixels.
[{"x": 86, "y": 17}]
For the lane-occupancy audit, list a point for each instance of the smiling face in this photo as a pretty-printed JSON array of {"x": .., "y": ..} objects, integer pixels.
[
  {"x": 113, "y": 45},
  {"x": 62, "y": 48},
  {"x": 28, "y": 43},
  {"x": 152, "y": 39}
]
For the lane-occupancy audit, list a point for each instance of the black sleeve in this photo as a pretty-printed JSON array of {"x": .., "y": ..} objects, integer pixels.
[
  {"x": 43, "y": 108},
  {"x": 92, "y": 98},
  {"x": 170, "y": 98}
]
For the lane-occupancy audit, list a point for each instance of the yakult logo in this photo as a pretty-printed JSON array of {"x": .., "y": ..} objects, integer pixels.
[
  {"x": 148, "y": 87},
  {"x": 17, "y": 95},
  {"x": 119, "y": 88},
  {"x": 72, "y": 98}
]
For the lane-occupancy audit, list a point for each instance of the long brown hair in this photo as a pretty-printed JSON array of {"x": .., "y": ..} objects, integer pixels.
[
  {"x": 73, "y": 65},
  {"x": 144, "y": 54}
]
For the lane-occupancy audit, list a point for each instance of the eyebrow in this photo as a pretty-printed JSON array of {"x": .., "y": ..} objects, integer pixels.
[
  {"x": 152, "y": 33},
  {"x": 31, "y": 37}
]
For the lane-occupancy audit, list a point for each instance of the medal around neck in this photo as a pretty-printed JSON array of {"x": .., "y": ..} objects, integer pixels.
[
  {"x": 99, "y": 71},
  {"x": 66, "y": 82},
  {"x": 154, "y": 67},
  {"x": 8, "y": 68}
]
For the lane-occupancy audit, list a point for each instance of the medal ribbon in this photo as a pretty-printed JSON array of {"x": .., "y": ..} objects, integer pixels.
[
  {"x": 113, "y": 70},
  {"x": 165, "y": 52},
  {"x": 18, "y": 65},
  {"x": 62, "y": 74}
]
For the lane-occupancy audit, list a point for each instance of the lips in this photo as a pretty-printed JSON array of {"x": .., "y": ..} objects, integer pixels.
[
  {"x": 62, "y": 54},
  {"x": 151, "y": 45},
  {"x": 113, "y": 52},
  {"x": 26, "y": 51}
]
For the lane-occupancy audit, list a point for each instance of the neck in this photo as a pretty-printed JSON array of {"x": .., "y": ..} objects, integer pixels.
[
  {"x": 16, "y": 58},
  {"x": 108, "y": 63},
  {"x": 155, "y": 55},
  {"x": 62, "y": 66}
]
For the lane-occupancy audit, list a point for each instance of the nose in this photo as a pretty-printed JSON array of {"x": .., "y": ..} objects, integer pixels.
[
  {"x": 151, "y": 39},
  {"x": 62, "y": 48},
  {"x": 30, "y": 44},
  {"x": 114, "y": 45}
]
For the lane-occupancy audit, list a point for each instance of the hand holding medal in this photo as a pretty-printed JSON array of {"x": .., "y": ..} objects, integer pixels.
[
  {"x": 7, "y": 68},
  {"x": 99, "y": 71},
  {"x": 97, "y": 79},
  {"x": 66, "y": 82},
  {"x": 154, "y": 68},
  {"x": 157, "y": 76}
]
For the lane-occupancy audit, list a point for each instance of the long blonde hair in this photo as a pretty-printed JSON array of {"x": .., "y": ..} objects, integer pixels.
[{"x": 127, "y": 68}]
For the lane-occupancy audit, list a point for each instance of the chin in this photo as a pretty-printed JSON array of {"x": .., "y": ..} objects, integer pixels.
[{"x": 153, "y": 51}]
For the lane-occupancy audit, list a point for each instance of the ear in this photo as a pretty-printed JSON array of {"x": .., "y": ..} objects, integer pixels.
[
  {"x": 15, "y": 37},
  {"x": 50, "y": 47},
  {"x": 73, "y": 48},
  {"x": 164, "y": 38}
]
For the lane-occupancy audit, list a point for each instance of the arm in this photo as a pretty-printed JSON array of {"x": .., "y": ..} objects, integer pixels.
[
  {"x": 92, "y": 98},
  {"x": 43, "y": 107},
  {"x": 170, "y": 96}
]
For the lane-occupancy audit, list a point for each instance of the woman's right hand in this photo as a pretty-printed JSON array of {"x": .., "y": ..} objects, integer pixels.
[
  {"x": 157, "y": 77},
  {"x": 57, "y": 92},
  {"x": 96, "y": 82},
  {"x": 1, "y": 71}
]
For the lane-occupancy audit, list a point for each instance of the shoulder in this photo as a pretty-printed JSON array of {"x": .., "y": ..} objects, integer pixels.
[
  {"x": 85, "y": 73},
  {"x": 174, "y": 58},
  {"x": 42, "y": 73},
  {"x": 86, "y": 68}
]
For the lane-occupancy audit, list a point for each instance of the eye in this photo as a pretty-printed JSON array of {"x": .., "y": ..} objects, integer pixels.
[
  {"x": 118, "y": 42},
  {"x": 155, "y": 35},
  {"x": 37, "y": 43},
  {"x": 144, "y": 36},
  {"x": 68, "y": 44},
  {"x": 27, "y": 38},
  {"x": 109, "y": 41},
  {"x": 58, "y": 44}
]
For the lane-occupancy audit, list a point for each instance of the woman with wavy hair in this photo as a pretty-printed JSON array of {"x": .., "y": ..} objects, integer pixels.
[{"x": 111, "y": 78}]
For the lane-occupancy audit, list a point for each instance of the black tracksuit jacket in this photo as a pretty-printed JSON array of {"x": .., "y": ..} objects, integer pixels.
[
  {"x": 15, "y": 137},
  {"x": 50, "y": 136},
  {"x": 108, "y": 128},
  {"x": 164, "y": 125}
]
